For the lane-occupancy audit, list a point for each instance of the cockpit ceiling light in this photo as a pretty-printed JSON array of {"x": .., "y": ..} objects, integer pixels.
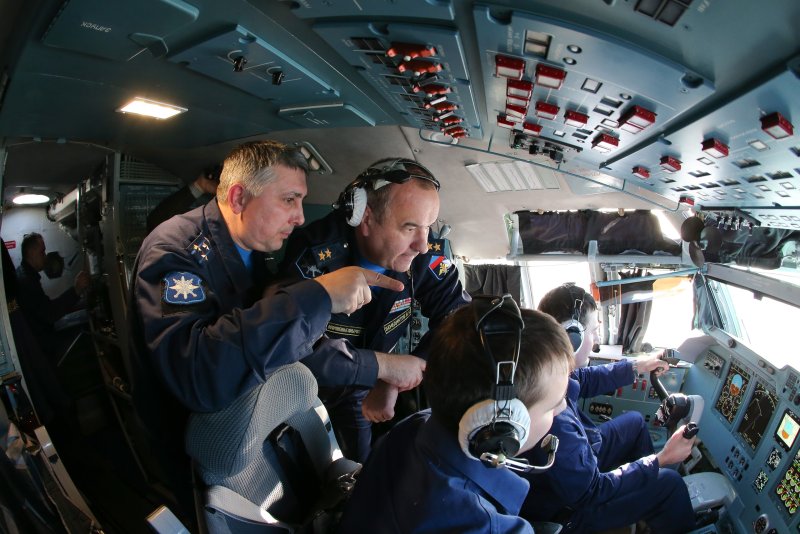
[
  {"x": 670, "y": 164},
  {"x": 575, "y": 118},
  {"x": 30, "y": 199},
  {"x": 409, "y": 51},
  {"x": 777, "y": 126},
  {"x": 545, "y": 110},
  {"x": 151, "y": 108},
  {"x": 605, "y": 143},
  {"x": 636, "y": 119},
  {"x": 516, "y": 112},
  {"x": 503, "y": 122},
  {"x": 532, "y": 129},
  {"x": 715, "y": 147},
  {"x": 641, "y": 172},
  {"x": 550, "y": 76},
  {"x": 519, "y": 88},
  {"x": 509, "y": 67}
]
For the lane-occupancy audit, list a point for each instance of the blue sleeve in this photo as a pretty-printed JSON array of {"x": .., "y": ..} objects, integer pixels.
[
  {"x": 576, "y": 479},
  {"x": 207, "y": 358},
  {"x": 437, "y": 298},
  {"x": 600, "y": 379},
  {"x": 336, "y": 362},
  {"x": 41, "y": 308}
]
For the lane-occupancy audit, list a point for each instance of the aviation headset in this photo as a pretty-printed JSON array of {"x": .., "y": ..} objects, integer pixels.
[
  {"x": 353, "y": 200},
  {"x": 495, "y": 429},
  {"x": 575, "y": 329}
]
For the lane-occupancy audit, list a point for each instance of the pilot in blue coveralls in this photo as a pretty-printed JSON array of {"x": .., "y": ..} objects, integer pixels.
[
  {"x": 605, "y": 477},
  {"x": 382, "y": 223},
  {"x": 201, "y": 331},
  {"x": 424, "y": 476}
]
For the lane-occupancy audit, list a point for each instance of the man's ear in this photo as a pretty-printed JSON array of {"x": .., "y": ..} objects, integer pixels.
[
  {"x": 367, "y": 220},
  {"x": 237, "y": 198}
]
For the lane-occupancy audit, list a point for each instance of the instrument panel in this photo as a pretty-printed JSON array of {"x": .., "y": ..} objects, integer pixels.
[{"x": 750, "y": 433}]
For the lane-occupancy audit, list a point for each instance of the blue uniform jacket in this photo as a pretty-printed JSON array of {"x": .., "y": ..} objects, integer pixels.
[
  {"x": 575, "y": 480},
  {"x": 419, "y": 480},
  {"x": 346, "y": 356},
  {"x": 200, "y": 329}
]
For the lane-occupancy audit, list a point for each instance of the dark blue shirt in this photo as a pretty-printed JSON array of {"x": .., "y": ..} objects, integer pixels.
[
  {"x": 419, "y": 480},
  {"x": 201, "y": 330},
  {"x": 346, "y": 355},
  {"x": 575, "y": 480}
]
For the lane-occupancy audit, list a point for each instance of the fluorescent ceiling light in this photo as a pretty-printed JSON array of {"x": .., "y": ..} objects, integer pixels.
[
  {"x": 151, "y": 108},
  {"x": 510, "y": 176},
  {"x": 28, "y": 199}
]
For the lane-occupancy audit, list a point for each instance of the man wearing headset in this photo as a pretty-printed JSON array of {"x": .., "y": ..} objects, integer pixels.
[
  {"x": 608, "y": 476},
  {"x": 382, "y": 223},
  {"x": 203, "y": 333},
  {"x": 496, "y": 377}
]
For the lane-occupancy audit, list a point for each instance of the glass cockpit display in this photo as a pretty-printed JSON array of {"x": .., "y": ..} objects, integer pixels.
[
  {"x": 787, "y": 430},
  {"x": 733, "y": 391},
  {"x": 757, "y": 415}
]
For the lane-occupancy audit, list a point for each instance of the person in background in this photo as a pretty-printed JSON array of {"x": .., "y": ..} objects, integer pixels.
[
  {"x": 188, "y": 196},
  {"x": 382, "y": 223},
  {"x": 608, "y": 476},
  {"x": 425, "y": 475},
  {"x": 42, "y": 312},
  {"x": 203, "y": 333}
]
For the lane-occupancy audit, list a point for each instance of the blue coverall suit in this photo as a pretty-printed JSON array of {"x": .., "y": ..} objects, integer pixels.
[
  {"x": 605, "y": 477},
  {"x": 419, "y": 480},
  {"x": 200, "y": 332},
  {"x": 344, "y": 360}
]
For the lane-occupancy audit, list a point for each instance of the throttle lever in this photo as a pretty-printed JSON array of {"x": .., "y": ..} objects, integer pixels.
[{"x": 690, "y": 430}]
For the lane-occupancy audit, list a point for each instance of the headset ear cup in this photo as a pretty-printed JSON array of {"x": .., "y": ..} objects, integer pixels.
[
  {"x": 574, "y": 333},
  {"x": 479, "y": 431},
  {"x": 356, "y": 205}
]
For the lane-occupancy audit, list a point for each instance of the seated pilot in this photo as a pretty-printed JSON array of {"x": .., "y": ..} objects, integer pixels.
[
  {"x": 605, "y": 477},
  {"x": 425, "y": 475}
]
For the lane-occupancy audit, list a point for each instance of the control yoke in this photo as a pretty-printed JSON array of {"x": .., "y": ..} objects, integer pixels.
[{"x": 676, "y": 408}]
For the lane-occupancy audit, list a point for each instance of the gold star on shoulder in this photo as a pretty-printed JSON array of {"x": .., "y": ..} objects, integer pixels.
[
  {"x": 183, "y": 287},
  {"x": 437, "y": 247},
  {"x": 321, "y": 255},
  {"x": 327, "y": 253},
  {"x": 430, "y": 246}
]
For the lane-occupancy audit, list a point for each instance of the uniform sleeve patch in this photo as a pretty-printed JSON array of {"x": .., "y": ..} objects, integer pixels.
[
  {"x": 439, "y": 266},
  {"x": 183, "y": 288}
]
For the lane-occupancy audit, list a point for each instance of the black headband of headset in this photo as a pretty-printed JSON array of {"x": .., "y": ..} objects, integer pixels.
[
  {"x": 497, "y": 316},
  {"x": 397, "y": 171}
]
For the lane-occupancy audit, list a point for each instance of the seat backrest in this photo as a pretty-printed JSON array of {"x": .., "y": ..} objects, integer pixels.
[{"x": 264, "y": 458}]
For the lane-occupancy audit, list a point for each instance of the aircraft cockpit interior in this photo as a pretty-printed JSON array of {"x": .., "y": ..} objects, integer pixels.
[{"x": 644, "y": 150}]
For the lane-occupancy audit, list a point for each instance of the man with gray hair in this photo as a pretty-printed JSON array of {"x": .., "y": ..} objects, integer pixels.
[{"x": 202, "y": 329}]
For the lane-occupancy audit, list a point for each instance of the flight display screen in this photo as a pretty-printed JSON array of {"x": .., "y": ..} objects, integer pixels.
[
  {"x": 757, "y": 415},
  {"x": 787, "y": 430},
  {"x": 788, "y": 489},
  {"x": 733, "y": 391}
]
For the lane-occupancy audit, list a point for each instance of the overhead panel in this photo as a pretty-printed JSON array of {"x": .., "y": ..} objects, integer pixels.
[
  {"x": 317, "y": 9},
  {"x": 249, "y": 62},
  {"x": 419, "y": 69},
  {"x": 118, "y": 30},
  {"x": 575, "y": 87},
  {"x": 744, "y": 153}
]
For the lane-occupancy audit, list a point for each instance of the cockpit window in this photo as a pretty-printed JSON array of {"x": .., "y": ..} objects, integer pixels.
[{"x": 762, "y": 323}]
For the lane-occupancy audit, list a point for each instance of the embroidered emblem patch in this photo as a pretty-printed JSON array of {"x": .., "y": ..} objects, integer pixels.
[
  {"x": 307, "y": 270},
  {"x": 400, "y": 305},
  {"x": 183, "y": 288},
  {"x": 439, "y": 266},
  {"x": 200, "y": 249}
]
